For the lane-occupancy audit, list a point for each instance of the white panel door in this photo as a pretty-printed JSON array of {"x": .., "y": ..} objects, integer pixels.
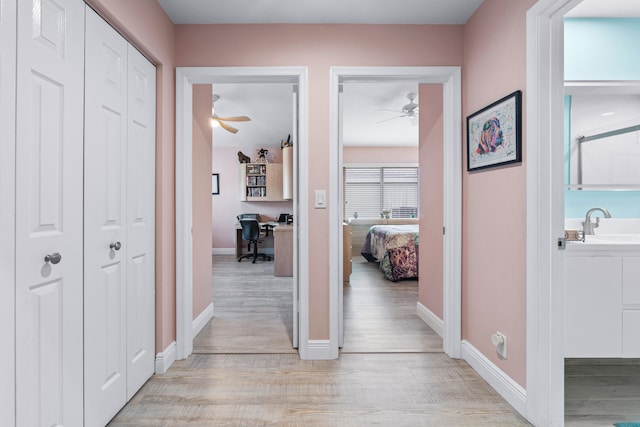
[
  {"x": 7, "y": 212},
  {"x": 105, "y": 242},
  {"x": 48, "y": 227},
  {"x": 141, "y": 158}
]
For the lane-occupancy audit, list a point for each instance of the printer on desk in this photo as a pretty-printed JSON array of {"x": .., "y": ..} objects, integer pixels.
[{"x": 285, "y": 218}]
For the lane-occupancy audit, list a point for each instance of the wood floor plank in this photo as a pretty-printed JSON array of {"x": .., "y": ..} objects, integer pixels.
[{"x": 391, "y": 371}]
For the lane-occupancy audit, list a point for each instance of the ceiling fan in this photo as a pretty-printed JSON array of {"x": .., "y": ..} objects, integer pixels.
[
  {"x": 409, "y": 110},
  {"x": 220, "y": 121}
]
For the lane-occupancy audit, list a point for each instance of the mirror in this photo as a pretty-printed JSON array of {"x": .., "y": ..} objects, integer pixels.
[{"x": 604, "y": 135}]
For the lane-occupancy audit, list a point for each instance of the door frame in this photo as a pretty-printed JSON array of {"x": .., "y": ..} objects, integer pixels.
[
  {"x": 8, "y": 61},
  {"x": 545, "y": 211},
  {"x": 186, "y": 77},
  {"x": 450, "y": 78}
]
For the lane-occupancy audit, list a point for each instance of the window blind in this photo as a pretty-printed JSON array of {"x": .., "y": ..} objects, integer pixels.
[{"x": 369, "y": 190}]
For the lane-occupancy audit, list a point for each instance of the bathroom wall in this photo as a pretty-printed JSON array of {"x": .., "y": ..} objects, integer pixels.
[{"x": 600, "y": 49}]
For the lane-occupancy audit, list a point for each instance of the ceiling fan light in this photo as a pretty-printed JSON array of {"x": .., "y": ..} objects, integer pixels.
[{"x": 214, "y": 123}]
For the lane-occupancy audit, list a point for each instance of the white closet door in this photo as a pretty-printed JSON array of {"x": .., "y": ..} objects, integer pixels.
[
  {"x": 7, "y": 213},
  {"x": 141, "y": 158},
  {"x": 49, "y": 108},
  {"x": 105, "y": 242}
]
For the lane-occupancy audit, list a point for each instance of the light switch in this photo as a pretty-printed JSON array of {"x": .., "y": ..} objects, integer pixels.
[{"x": 321, "y": 199}]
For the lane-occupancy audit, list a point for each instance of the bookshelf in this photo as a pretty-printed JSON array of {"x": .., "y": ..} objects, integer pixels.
[{"x": 261, "y": 182}]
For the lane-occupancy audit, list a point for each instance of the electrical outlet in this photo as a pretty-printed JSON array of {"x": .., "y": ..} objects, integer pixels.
[{"x": 499, "y": 340}]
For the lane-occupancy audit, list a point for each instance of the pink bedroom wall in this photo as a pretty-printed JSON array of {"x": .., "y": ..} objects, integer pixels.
[
  {"x": 380, "y": 155},
  {"x": 319, "y": 47},
  {"x": 201, "y": 198},
  {"x": 494, "y": 211},
  {"x": 145, "y": 24},
  {"x": 430, "y": 285},
  {"x": 227, "y": 204}
]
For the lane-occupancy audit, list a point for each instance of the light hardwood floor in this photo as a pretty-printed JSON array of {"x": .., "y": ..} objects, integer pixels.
[
  {"x": 391, "y": 371},
  {"x": 600, "y": 392}
]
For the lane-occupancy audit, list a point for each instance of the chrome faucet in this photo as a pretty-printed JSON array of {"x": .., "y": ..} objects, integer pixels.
[{"x": 588, "y": 226}]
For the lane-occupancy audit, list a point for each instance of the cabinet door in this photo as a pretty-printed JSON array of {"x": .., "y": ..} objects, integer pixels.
[
  {"x": 593, "y": 301},
  {"x": 274, "y": 182},
  {"x": 631, "y": 280},
  {"x": 7, "y": 213},
  {"x": 105, "y": 223},
  {"x": 49, "y": 131}
]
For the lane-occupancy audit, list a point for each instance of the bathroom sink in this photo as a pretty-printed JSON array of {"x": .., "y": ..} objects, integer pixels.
[{"x": 612, "y": 239}]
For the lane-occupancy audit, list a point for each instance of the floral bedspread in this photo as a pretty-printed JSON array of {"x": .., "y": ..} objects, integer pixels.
[{"x": 395, "y": 247}]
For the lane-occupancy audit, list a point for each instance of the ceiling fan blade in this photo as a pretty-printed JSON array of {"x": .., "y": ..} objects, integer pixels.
[
  {"x": 227, "y": 127},
  {"x": 393, "y": 111},
  {"x": 235, "y": 119},
  {"x": 391, "y": 118}
]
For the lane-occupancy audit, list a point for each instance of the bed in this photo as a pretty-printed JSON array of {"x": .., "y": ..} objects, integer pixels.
[{"x": 395, "y": 247}]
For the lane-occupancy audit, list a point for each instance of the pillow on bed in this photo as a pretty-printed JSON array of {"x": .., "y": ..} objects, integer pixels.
[{"x": 404, "y": 262}]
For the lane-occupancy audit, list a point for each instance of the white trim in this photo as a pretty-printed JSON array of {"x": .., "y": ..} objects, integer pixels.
[
  {"x": 511, "y": 391},
  {"x": 7, "y": 212},
  {"x": 320, "y": 350},
  {"x": 381, "y": 165},
  {"x": 429, "y": 317},
  {"x": 450, "y": 78},
  {"x": 185, "y": 78},
  {"x": 165, "y": 359},
  {"x": 223, "y": 251},
  {"x": 545, "y": 212},
  {"x": 202, "y": 319}
]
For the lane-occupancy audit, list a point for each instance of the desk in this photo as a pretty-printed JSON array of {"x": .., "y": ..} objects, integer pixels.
[
  {"x": 267, "y": 226},
  {"x": 283, "y": 251}
]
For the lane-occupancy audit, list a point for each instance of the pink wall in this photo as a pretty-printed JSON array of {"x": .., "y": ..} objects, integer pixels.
[
  {"x": 430, "y": 285},
  {"x": 380, "y": 155},
  {"x": 227, "y": 205},
  {"x": 318, "y": 47},
  {"x": 494, "y": 220},
  {"x": 146, "y": 26},
  {"x": 201, "y": 176}
]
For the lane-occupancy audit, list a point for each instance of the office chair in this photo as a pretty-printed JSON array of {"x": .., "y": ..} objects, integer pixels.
[
  {"x": 251, "y": 233},
  {"x": 248, "y": 216}
]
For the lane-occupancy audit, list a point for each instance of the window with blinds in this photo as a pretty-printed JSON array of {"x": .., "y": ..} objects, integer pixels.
[{"x": 370, "y": 190}]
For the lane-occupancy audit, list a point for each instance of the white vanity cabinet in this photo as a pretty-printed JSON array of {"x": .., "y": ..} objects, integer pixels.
[{"x": 602, "y": 301}]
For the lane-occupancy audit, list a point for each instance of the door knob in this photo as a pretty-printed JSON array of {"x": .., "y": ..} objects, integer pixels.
[
  {"x": 53, "y": 258},
  {"x": 116, "y": 246}
]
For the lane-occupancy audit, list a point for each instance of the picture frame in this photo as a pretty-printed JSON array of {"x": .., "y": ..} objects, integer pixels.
[
  {"x": 215, "y": 183},
  {"x": 494, "y": 134}
]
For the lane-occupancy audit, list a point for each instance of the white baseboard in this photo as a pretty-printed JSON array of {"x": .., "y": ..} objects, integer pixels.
[
  {"x": 202, "y": 319},
  {"x": 511, "y": 391},
  {"x": 223, "y": 251},
  {"x": 232, "y": 251},
  {"x": 428, "y": 317},
  {"x": 166, "y": 358},
  {"x": 316, "y": 350}
]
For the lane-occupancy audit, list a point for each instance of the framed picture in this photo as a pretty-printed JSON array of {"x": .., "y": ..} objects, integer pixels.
[
  {"x": 494, "y": 134},
  {"x": 215, "y": 183}
]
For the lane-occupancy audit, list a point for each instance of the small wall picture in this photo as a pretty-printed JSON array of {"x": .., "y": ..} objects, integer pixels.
[
  {"x": 215, "y": 183},
  {"x": 494, "y": 134}
]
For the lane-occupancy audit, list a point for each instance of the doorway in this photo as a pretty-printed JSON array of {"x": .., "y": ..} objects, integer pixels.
[
  {"x": 449, "y": 77},
  {"x": 186, "y": 77}
]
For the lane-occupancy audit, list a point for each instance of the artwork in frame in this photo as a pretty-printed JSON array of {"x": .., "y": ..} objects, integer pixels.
[
  {"x": 494, "y": 134},
  {"x": 215, "y": 183}
]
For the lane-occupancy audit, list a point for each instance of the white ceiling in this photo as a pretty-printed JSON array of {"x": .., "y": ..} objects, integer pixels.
[
  {"x": 269, "y": 105},
  {"x": 320, "y": 11}
]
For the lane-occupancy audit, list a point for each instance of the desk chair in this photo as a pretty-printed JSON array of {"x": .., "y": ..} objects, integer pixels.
[
  {"x": 251, "y": 233},
  {"x": 248, "y": 216}
]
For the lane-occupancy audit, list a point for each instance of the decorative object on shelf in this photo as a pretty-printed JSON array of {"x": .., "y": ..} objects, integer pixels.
[
  {"x": 494, "y": 134},
  {"x": 386, "y": 213},
  {"x": 287, "y": 143},
  {"x": 242, "y": 158},
  {"x": 262, "y": 155},
  {"x": 215, "y": 183}
]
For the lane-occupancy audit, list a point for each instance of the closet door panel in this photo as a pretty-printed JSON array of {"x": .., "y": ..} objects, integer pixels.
[
  {"x": 141, "y": 222},
  {"x": 7, "y": 213},
  {"x": 105, "y": 240},
  {"x": 48, "y": 222}
]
